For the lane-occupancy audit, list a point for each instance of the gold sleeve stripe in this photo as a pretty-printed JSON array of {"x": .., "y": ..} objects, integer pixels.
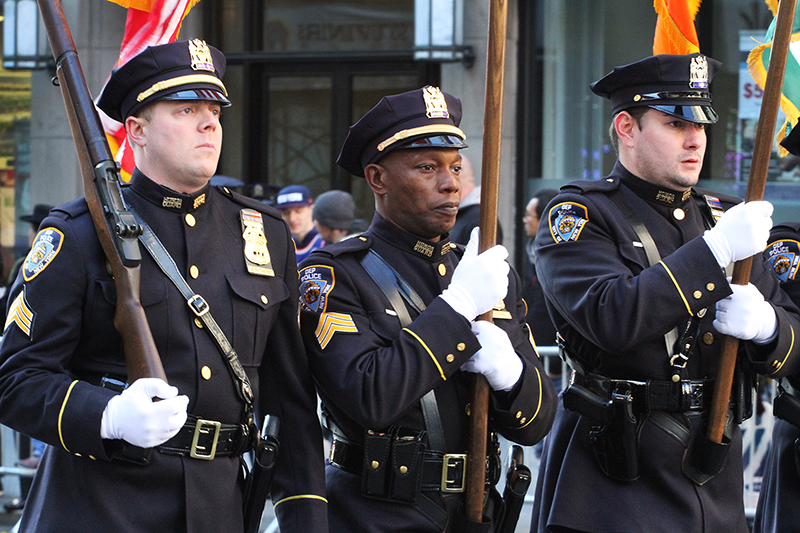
[
  {"x": 686, "y": 303},
  {"x": 61, "y": 413},
  {"x": 301, "y": 497},
  {"x": 330, "y": 323},
  {"x": 539, "y": 405},
  {"x": 791, "y": 345},
  {"x": 435, "y": 362}
]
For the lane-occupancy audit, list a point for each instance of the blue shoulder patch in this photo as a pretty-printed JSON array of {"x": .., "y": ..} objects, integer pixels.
[
  {"x": 783, "y": 257},
  {"x": 316, "y": 282},
  {"x": 44, "y": 249},
  {"x": 567, "y": 220}
]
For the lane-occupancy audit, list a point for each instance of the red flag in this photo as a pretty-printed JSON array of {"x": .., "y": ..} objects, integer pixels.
[
  {"x": 149, "y": 23},
  {"x": 675, "y": 31}
]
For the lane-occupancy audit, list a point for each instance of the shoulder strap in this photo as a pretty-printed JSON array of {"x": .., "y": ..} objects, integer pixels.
[
  {"x": 200, "y": 308},
  {"x": 396, "y": 289}
]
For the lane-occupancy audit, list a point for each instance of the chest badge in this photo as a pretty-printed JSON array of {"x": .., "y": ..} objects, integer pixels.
[{"x": 256, "y": 253}]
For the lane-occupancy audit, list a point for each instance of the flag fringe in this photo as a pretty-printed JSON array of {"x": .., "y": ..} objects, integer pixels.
[{"x": 680, "y": 44}]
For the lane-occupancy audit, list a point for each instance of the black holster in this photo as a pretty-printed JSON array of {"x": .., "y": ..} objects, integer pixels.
[
  {"x": 614, "y": 435},
  {"x": 392, "y": 467},
  {"x": 703, "y": 458}
]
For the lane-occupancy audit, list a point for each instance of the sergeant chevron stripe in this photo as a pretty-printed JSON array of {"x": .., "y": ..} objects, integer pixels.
[
  {"x": 21, "y": 314},
  {"x": 330, "y": 323}
]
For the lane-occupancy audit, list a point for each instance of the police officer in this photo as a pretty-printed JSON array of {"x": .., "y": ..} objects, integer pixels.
[
  {"x": 388, "y": 318},
  {"x": 777, "y": 510},
  {"x": 117, "y": 460},
  {"x": 632, "y": 270}
]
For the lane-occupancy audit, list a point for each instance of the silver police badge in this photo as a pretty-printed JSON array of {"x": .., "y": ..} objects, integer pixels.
[{"x": 698, "y": 73}]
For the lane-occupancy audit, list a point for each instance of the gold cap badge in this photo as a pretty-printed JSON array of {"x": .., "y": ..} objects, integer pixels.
[
  {"x": 435, "y": 104},
  {"x": 201, "y": 55}
]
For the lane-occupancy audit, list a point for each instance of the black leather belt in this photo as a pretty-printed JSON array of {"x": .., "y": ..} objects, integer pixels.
[
  {"x": 684, "y": 395},
  {"x": 206, "y": 439},
  {"x": 440, "y": 471}
]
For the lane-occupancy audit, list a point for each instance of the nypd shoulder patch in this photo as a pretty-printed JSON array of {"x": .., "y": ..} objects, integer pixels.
[
  {"x": 316, "y": 282},
  {"x": 784, "y": 257},
  {"x": 43, "y": 250},
  {"x": 567, "y": 220}
]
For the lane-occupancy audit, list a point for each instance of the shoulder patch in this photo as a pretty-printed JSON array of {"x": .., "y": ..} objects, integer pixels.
[
  {"x": 567, "y": 220},
  {"x": 21, "y": 314},
  {"x": 783, "y": 257},
  {"x": 44, "y": 249},
  {"x": 316, "y": 282}
]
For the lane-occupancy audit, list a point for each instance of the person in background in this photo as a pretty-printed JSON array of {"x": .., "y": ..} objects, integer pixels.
[
  {"x": 333, "y": 215},
  {"x": 470, "y": 206},
  {"x": 388, "y": 318},
  {"x": 116, "y": 460},
  {"x": 778, "y": 508},
  {"x": 633, "y": 272},
  {"x": 544, "y": 333},
  {"x": 296, "y": 206}
]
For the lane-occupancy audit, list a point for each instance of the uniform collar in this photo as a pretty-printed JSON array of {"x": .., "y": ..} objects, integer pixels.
[
  {"x": 167, "y": 198},
  {"x": 651, "y": 192},
  {"x": 398, "y": 237}
]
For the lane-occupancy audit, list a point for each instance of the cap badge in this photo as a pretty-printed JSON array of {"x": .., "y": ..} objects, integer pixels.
[
  {"x": 201, "y": 55},
  {"x": 435, "y": 104},
  {"x": 698, "y": 73}
]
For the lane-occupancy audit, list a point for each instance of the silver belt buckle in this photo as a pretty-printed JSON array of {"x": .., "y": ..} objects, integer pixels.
[
  {"x": 204, "y": 427},
  {"x": 453, "y": 460}
]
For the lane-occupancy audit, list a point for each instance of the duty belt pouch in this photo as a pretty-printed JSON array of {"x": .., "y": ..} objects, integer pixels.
[
  {"x": 616, "y": 443},
  {"x": 786, "y": 406},
  {"x": 703, "y": 458},
  {"x": 406, "y": 467},
  {"x": 376, "y": 469}
]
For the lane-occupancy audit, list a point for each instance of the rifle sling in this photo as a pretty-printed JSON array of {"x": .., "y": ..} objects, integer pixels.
[{"x": 200, "y": 308}]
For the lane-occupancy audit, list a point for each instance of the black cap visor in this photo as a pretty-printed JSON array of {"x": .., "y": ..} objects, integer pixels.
[
  {"x": 700, "y": 114},
  {"x": 438, "y": 141},
  {"x": 210, "y": 95}
]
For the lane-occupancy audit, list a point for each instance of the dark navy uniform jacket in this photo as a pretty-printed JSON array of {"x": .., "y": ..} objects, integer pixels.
[
  {"x": 60, "y": 341},
  {"x": 371, "y": 373},
  {"x": 778, "y": 507},
  {"x": 613, "y": 310}
]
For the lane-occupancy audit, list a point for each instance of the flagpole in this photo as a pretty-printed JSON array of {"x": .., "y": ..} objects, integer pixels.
[
  {"x": 756, "y": 184},
  {"x": 490, "y": 177}
]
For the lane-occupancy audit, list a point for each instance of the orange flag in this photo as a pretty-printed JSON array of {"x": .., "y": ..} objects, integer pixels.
[{"x": 675, "y": 32}]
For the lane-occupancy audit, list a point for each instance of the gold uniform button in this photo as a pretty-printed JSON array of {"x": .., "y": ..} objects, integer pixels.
[
  {"x": 442, "y": 269},
  {"x": 450, "y": 358},
  {"x": 205, "y": 372},
  {"x": 697, "y": 295},
  {"x": 522, "y": 420},
  {"x": 264, "y": 299},
  {"x": 194, "y": 271},
  {"x": 676, "y": 378},
  {"x": 226, "y": 190},
  {"x": 711, "y": 287},
  {"x": 453, "y": 245},
  {"x": 461, "y": 346},
  {"x": 708, "y": 338},
  {"x": 198, "y": 322},
  {"x": 519, "y": 414},
  {"x": 189, "y": 219},
  {"x": 375, "y": 465},
  {"x": 468, "y": 409},
  {"x": 679, "y": 214},
  {"x": 362, "y": 239},
  {"x": 93, "y": 458},
  {"x": 403, "y": 469}
]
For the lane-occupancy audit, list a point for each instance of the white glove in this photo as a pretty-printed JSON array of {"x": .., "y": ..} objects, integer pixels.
[
  {"x": 496, "y": 359},
  {"x": 746, "y": 315},
  {"x": 134, "y": 416},
  {"x": 479, "y": 281},
  {"x": 742, "y": 232}
]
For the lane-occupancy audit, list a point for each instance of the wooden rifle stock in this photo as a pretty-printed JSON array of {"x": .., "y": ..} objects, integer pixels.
[
  {"x": 490, "y": 178},
  {"x": 116, "y": 227},
  {"x": 756, "y": 184}
]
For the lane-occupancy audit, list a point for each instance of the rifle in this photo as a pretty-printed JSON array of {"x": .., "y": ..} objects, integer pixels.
[{"x": 116, "y": 226}]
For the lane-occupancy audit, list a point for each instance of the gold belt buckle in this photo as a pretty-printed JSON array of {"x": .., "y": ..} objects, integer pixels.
[
  {"x": 204, "y": 427},
  {"x": 453, "y": 460}
]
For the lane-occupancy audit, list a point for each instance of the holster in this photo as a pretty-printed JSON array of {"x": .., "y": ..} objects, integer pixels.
[
  {"x": 616, "y": 443},
  {"x": 703, "y": 458},
  {"x": 393, "y": 464}
]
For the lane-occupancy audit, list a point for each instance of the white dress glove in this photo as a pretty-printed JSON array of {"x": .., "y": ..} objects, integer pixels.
[
  {"x": 742, "y": 232},
  {"x": 479, "y": 281},
  {"x": 134, "y": 416},
  {"x": 746, "y": 315},
  {"x": 496, "y": 359}
]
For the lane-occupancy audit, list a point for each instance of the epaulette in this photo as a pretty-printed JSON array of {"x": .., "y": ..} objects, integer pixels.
[
  {"x": 346, "y": 246},
  {"x": 246, "y": 201},
  {"x": 582, "y": 187},
  {"x": 72, "y": 209},
  {"x": 791, "y": 226}
]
